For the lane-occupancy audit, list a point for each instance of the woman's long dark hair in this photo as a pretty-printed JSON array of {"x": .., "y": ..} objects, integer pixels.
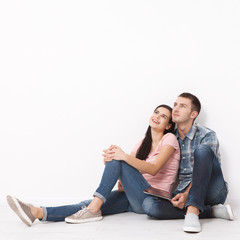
[{"x": 146, "y": 145}]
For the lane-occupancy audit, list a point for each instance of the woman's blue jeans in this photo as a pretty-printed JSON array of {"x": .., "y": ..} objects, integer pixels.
[
  {"x": 130, "y": 200},
  {"x": 208, "y": 189}
]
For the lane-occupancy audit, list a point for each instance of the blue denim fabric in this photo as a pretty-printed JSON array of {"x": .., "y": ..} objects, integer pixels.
[
  {"x": 117, "y": 203},
  {"x": 114, "y": 202},
  {"x": 198, "y": 135},
  {"x": 208, "y": 189},
  {"x": 132, "y": 180},
  {"x": 208, "y": 185}
]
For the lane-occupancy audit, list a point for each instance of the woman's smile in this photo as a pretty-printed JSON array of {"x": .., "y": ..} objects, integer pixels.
[{"x": 155, "y": 121}]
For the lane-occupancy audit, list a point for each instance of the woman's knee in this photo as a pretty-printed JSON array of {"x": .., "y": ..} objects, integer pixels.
[
  {"x": 114, "y": 163},
  {"x": 126, "y": 165}
]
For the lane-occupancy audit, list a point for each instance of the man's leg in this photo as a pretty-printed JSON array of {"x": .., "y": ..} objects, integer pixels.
[
  {"x": 207, "y": 186},
  {"x": 162, "y": 209}
]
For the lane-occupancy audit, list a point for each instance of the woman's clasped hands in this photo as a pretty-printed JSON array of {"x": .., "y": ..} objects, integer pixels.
[{"x": 113, "y": 153}]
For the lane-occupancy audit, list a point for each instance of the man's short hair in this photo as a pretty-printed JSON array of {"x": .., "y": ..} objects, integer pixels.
[{"x": 196, "y": 105}]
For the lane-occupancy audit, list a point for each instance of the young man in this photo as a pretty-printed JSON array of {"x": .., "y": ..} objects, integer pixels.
[{"x": 201, "y": 190}]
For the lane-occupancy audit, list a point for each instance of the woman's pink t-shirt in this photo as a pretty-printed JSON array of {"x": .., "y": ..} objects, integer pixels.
[{"x": 166, "y": 176}]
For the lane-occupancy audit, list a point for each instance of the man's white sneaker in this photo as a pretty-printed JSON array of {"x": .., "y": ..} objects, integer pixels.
[
  {"x": 191, "y": 223},
  {"x": 223, "y": 211}
]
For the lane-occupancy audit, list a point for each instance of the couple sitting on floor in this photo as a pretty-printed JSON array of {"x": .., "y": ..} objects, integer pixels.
[{"x": 154, "y": 162}]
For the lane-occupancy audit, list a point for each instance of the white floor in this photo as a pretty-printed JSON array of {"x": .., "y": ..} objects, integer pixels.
[{"x": 120, "y": 226}]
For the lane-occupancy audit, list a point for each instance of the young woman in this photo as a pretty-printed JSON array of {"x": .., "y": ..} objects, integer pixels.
[{"x": 153, "y": 163}]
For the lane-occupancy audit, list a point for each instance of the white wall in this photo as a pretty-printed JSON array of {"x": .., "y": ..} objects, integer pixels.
[{"x": 77, "y": 76}]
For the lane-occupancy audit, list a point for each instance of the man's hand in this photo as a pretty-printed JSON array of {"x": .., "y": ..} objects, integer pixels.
[{"x": 179, "y": 200}]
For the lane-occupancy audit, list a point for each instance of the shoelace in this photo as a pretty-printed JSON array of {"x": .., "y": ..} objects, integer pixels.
[{"x": 81, "y": 212}]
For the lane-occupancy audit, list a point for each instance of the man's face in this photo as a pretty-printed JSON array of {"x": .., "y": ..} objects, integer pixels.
[{"x": 182, "y": 110}]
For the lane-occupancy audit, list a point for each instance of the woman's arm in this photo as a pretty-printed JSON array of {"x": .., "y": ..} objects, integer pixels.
[
  {"x": 151, "y": 168},
  {"x": 143, "y": 166}
]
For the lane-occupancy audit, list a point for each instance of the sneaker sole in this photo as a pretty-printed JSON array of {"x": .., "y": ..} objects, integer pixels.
[
  {"x": 230, "y": 212},
  {"x": 13, "y": 203},
  {"x": 191, "y": 229},
  {"x": 67, "y": 220}
]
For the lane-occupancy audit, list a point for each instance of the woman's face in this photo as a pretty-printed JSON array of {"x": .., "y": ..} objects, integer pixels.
[{"x": 159, "y": 120}]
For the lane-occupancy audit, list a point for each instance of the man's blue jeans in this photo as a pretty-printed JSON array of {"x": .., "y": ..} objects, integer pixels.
[
  {"x": 130, "y": 200},
  {"x": 208, "y": 189}
]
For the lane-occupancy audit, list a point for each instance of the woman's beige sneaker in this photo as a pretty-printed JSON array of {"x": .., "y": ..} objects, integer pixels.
[
  {"x": 21, "y": 209},
  {"x": 83, "y": 216}
]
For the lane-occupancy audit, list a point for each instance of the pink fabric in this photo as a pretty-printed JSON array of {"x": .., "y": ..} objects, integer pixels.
[{"x": 166, "y": 176}]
